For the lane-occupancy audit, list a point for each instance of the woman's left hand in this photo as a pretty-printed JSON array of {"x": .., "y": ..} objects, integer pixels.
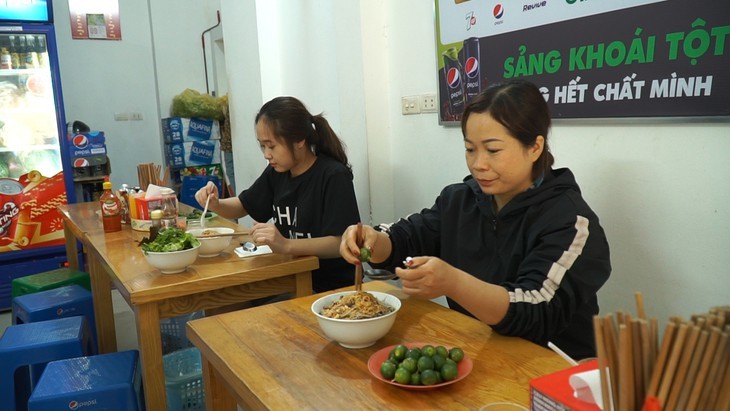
[
  {"x": 268, "y": 234},
  {"x": 426, "y": 277}
]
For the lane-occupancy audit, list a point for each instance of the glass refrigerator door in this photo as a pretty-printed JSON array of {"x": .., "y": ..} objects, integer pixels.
[{"x": 29, "y": 137}]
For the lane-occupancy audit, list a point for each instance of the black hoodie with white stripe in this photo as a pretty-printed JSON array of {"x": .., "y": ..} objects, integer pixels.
[{"x": 546, "y": 247}]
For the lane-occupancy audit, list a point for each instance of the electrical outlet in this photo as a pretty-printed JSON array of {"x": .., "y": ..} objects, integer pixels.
[
  {"x": 409, "y": 105},
  {"x": 136, "y": 116},
  {"x": 428, "y": 103}
]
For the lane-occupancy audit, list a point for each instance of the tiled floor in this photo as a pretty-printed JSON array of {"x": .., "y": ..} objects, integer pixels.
[{"x": 123, "y": 320}]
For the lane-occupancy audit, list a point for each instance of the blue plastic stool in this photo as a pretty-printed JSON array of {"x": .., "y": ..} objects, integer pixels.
[
  {"x": 101, "y": 382},
  {"x": 62, "y": 302},
  {"x": 37, "y": 343}
]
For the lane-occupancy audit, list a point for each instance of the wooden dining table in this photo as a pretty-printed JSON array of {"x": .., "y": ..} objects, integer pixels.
[
  {"x": 115, "y": 260},
  {"x": 276, "y": 357}
]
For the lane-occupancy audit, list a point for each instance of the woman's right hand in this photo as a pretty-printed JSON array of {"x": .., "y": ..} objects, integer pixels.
[
  {"x": 349, "y": 248},
  {"x": 201, "y": 196}
]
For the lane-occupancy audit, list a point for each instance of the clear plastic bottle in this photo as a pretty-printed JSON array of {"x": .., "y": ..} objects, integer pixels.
[
  {"x": 111, "y": 211},
  {"x": 169, "y": 208}
]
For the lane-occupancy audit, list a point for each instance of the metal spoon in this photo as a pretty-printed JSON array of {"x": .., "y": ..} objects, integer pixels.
[
  {"x": 379, "y": 274},
  {"x": 249, "y": 246}
]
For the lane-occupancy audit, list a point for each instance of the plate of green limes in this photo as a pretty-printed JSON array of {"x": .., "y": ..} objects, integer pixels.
[{"x": 420, "y": 366}]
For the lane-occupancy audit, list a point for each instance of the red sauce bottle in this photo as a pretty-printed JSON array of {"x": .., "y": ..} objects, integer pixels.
[{"x": 111, "y": 210}]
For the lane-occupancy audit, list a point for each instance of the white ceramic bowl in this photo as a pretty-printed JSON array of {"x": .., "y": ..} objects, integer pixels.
[
  {"x": 356, "y": 333},
  {"x": 174, "y": 261},
  {"x": 213, "y": 246}
]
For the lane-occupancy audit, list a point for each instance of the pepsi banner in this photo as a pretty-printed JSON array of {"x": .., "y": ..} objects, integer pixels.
[{"x": 590, "y": 58}]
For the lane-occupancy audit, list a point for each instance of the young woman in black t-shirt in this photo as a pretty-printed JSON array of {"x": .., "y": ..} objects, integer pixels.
[{"x": 306, "y": 191}]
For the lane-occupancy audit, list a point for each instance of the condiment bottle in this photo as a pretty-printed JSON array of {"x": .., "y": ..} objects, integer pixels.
[
  {"x": 156, "y": 217},
  {"x": 169, "y": 208},
  {"x": 111, "y": 212}
]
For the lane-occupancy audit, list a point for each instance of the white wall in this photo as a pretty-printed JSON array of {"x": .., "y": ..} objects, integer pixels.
[
  {"x": 159, "y": 56},
  {"x": 660, "y": 187}
]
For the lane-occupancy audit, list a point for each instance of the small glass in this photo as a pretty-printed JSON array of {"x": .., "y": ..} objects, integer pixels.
[{"x": 182, "y": 222}]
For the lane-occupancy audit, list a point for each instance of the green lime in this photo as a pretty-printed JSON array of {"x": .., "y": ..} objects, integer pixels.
[
  {"x": 402, "y": 376},
  {"x": 456, "y": 354},
  {"x": 428, "y": 350},
  {"x": 416, "y": 378},
  {"x": 399, "y": 352},
  {"x": 364, "y": 254},
  {"x": 449, "y": 371},
  {"x": 409, "y": 364},
  {"x": 429, "y": 377},
  {"x": 442, "y": 351},
  {"x": 414, "y": 353},
  {"x": 438, "y": 362},
  {"x": 387, "y": 370},
  {"x": 425, "y": 363}
]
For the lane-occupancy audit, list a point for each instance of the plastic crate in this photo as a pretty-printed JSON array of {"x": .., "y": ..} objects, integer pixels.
[
  {"x": 184, "y": 380},
  {"x": 172, "y": 332}
]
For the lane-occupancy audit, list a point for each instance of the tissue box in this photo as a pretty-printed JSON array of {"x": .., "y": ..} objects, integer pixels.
[
  {"x": 553, "y": 392},
  {"x": 180, "y": 129},
  {"x": 196, "y": 153}
]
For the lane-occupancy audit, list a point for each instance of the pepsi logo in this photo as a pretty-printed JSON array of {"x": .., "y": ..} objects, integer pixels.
[
  {"x": 453, "y": 78},
  {"x": 471, "y": 67},
  {"x": 498, "y": 11},
  {"x": 73, "y": 405},
  {"x": 80, "y": 141},
  {"x": 81, "y": 162}
]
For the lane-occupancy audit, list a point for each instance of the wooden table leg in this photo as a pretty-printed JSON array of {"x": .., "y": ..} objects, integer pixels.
[
  {"x": 217, "y": 396},
  {"x": 72, "y": 250},
  {"x": 304, "y": 284},
  {"x": 101, "y": 292},
  {"x": 150, "y": 352}
]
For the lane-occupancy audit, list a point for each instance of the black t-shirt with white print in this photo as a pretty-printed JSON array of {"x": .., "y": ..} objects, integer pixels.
[{"x": 318, "y": 203}]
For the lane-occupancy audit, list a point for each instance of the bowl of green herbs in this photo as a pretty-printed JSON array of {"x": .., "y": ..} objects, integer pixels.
[{"x": 172, "y": 251}]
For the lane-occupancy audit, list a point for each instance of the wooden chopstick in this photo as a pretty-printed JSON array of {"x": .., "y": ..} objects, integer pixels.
[
  {"x": 233, "y": 234},
  {"x": 626, "y": 373},
  {"x": 662, "y": 360},
  {"x": 640, "y": 311},
  {"x": 602, "y": 354}
]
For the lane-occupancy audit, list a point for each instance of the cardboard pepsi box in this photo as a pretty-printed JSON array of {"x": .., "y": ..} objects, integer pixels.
[
  {"x": 181, "y": 129},
  {"x": 193, "y": 153},
  {"x": 87, "y": 149}
]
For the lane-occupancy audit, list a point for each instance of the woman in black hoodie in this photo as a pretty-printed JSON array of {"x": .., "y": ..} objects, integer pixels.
[{"x": 515, "y": 244}]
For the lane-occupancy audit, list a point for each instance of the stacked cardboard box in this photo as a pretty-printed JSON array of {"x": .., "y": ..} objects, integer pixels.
[{"x": 192, "y": 150}]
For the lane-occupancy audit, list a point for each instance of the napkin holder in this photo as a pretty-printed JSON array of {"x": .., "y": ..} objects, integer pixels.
[{"x": 553, "y": 392}]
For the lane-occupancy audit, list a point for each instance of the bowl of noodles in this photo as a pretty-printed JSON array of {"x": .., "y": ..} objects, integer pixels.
[
  {"x": 212, "y": 246},
  {"x": 356, "y": 319}
]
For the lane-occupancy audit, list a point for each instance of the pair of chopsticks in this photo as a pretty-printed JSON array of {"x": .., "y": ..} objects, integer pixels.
[
  {"x": 358, "y": 267},
  {"x": 685, "y": 374},
  {"x": 233, "y": 234}
]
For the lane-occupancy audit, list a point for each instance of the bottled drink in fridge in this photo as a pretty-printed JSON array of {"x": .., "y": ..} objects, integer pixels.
[{"x": 111, "y": 210}]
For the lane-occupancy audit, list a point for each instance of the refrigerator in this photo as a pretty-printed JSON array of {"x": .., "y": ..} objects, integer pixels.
[{"x": 35, "y": 166}]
